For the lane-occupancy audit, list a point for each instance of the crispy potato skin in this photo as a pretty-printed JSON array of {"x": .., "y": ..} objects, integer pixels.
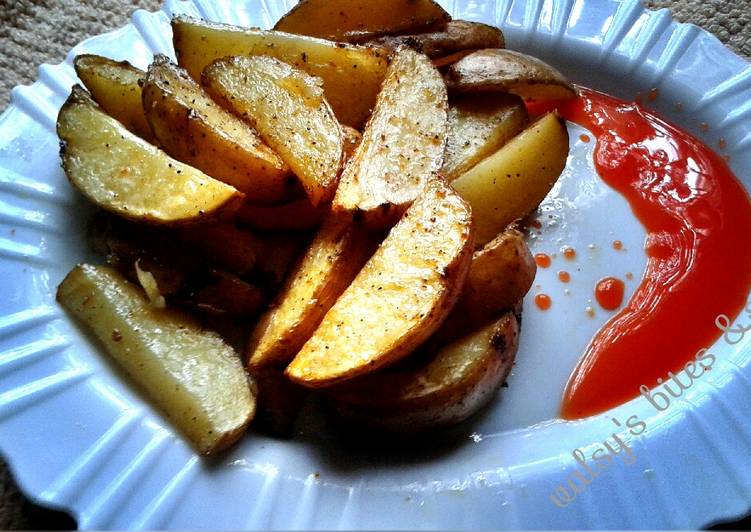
[
  {"x": 167, "y": 354},
  {"x": 352, "y": 75},
  {"x": 508, "y": 71},
  {"x": 403, "y": 143},
  {"x": 342, "y": 20},
  {"x": 193, "y": 129},
  {"x": 501, "y": 274},
  {"x": 513, "y": 181},
  {"x": 448, "y": 387},
  {"x": 456, "y": 36},
  {"x": 125, "y": 175},
  {"x": 339, "y": 250},
  {"x": 399, "y": 298},
  {"x": 288, "y": 109},
  {"x": 297, "y": 215},
  {"x": 114, "y": 85},
  {"x": 478, "y": 126}
]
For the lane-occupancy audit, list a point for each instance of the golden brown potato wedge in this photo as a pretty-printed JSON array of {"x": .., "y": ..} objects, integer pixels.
[
  {"x": 456, "y": 36},
  {"x": 403, "y": 143},
  {"x": 342, "y": 20},
  {"x": 351, "y": 75},
  {"x": 298, "y": 215},
  {"x": 496, "y": 70},
  {"x": 399, "y": 298},
  {"x": 114, "y": 85},
  {"x": 513, "y": 181},
  {"x": 288, "y": 109},
  {"x": 501, "y": 274},
  {"x": 339, "y": 250},
  {"x": 451, "y": 385},
  {"x": 124, "y": 174},
  {"x": 169, "y": 355},
  {"x": 193, "y": 129},
  {"x": 478, "y": 126}
]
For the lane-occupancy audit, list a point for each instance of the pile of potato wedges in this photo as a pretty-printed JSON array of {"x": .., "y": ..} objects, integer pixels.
[{"x": 344, "y": 189}]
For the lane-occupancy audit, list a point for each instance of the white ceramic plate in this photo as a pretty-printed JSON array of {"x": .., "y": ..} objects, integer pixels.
[{"x": 79, "y": 438}]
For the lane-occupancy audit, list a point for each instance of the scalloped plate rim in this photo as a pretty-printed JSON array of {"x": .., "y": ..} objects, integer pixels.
[{"x": 67, "y": 64}]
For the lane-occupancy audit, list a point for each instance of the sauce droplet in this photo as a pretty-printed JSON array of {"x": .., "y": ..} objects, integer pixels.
[
  {"x": 584, "y": 138},
  {"x": 590, "y": 312},
  {"x": 543, "y": 301},
  {"x": 564, "y": 277},
  {"x": 617, "y": 245},
  {"x": 653, "y": 94},
  {"x": 569, "y": 253},
  {"x": 629, "y": 276},
  {"x": 542, "y": 260},
  {"x": 609, "y": 293}
]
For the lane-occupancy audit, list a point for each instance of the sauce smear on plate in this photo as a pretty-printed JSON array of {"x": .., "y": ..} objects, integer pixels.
[{"x": 698, "y": 221}]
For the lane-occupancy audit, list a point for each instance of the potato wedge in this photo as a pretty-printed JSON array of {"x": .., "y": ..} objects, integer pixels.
[
  {"x": 280, "y": 252},
  {"x": 298, "y": 215},
  {"x": 114, "y": 85},
  {"x": 478, "y": 126},
  {"x": 288, "y": 109},
  {"x": 456, "y": 36},
  {"x": 167, "y": 354},
  {"x": 159, "y": 252},
  {"x": 496, "y": 70},
  {"x": 454, "y": 383},
  {"x": 352, "y": 139},
  {"x": 225, "y": 245},
  {"x": 193, "y": 129},
  {"x": 279, "y": 401},
  {"x": 225, "y": 293},
  {"x": 339, "y": 250},
  {"x": 403, "y": 143},
  {"x": 441, "y": 62},
  {"x": 126, "y": 175},
  {"x": 513, "y": 181},
  {"x": 501, "y": 274},
  {"x": 351, "y": 75},
  {"x": 399, "y": 298},
  {"x": 341, "y": 20}
]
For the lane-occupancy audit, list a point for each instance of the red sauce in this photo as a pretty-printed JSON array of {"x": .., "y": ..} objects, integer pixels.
[
  {"x": 569, "y": 253},
  {"x": 564, "y": 277},
  {"x": 617, "y": 245},
  {"x": 609, "y": 293},
  {"x": 698, "y": 221},
  {"x": 542, "y": 260},
  {"x": 543, "y": 301},
  {"x": 584, "y": 138}
]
